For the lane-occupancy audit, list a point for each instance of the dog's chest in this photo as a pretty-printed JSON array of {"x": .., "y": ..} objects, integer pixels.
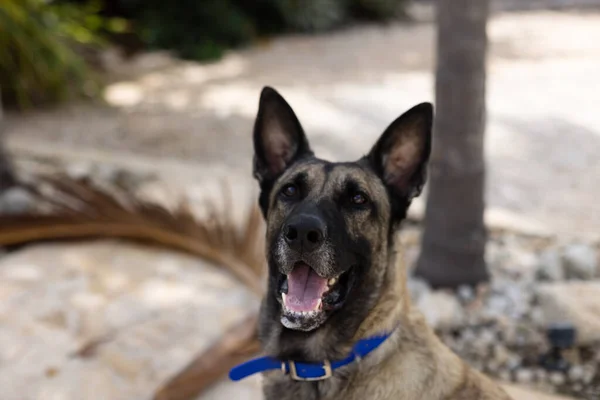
[{"x": 354, "y": 387}]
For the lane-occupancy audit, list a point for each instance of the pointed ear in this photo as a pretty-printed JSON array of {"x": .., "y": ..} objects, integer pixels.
[
  {"x": 278, "y": 137},
  {"x": 400, "y": 155}
]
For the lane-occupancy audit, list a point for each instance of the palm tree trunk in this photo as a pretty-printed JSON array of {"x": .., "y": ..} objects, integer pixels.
[{"x": 454, "y": 239}]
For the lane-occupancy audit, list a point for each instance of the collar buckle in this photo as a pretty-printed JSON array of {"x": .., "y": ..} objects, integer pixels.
[{"x": 327, "y": 372}]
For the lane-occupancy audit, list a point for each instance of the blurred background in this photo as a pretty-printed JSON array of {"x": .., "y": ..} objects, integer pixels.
[{"x": 130, "y": 248}]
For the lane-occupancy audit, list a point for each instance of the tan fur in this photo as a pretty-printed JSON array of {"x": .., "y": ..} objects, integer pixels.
[
  {"x": 412, "y": 364},
  {"x": 355, "y": 244}
]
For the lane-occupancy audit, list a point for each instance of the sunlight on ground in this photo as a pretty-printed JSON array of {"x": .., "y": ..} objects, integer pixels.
[
  {"x": 132, "y": 93},
  {"x": 543, "y": 90}
]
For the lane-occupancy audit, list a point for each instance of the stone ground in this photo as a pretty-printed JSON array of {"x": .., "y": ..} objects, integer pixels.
[
  {"x": 190, "y": 124},
  {"x": 155, "y": 308}
]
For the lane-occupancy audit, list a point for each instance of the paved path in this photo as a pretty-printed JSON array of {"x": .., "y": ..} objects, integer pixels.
[
  {"x": 151, "y": 309},
  {"x": 544, "y": 90}
]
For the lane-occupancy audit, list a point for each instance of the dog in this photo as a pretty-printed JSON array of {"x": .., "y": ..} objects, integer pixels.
[{"x": 336, "y": 321}]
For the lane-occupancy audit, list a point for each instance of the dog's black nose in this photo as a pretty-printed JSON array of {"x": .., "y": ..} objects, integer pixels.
[{"x": 304, "y": 233}]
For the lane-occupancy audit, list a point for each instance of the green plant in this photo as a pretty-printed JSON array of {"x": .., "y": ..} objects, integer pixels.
[
  {"x": 378, "y": 9},
  {"x": 313, "y": 15},
  {"x": 38, "y": 42},
  {"x": 195, "y": 29}
]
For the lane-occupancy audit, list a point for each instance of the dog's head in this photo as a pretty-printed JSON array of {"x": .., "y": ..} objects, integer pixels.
[{"x": 329, "y": 225}]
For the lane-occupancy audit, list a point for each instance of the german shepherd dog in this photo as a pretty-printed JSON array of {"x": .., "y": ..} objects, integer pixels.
[{"x": 334, "y": 271}]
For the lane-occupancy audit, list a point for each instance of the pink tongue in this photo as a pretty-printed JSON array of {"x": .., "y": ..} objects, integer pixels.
[{"x": 305, "y": 289}]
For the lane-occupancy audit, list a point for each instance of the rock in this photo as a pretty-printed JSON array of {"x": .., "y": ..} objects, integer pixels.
[
  {"x": 537, "y": 316},
  {"x": 541, "y": 375},
  {"x": 417, "y": 288},
  {"x": 466, "y": 293},
  {"x": 131, "y": 180},
  {"x": 589, "y": 373},
  {"x": 523, "y": 264},
  {"x": 576, "y": 373},
  {"x": 479, "y": 346},
  {"x": 496, "y": 306},
  {"x": 468, "y": 335},
  {"x": 159, "y": 192},
  {"x": 79, "y": 170},
  {"x": 501, "y": 354},
  {"x": 557, "y": 378},
  {"x": 15, "y": 201},
  {"x": 577, "y": 387},
  {"x": 519, "y": 300},
  {"x": 573, "y": 302},
  {"x": 521, "y": 334},
  {"x": 508, "y": 299},
  {"x": 493, "y": 367},
  {"x": 505, "y": 375},
  {"x": 580, "y": 261},
  {"x": 487, "y": 336},
  {"x": 524, "y": 376},
  {"x": 514, "y": 362},
  {"x": 550, "y": 266},
  {"x": 441, "y": 310},
  {"x": 106, "y": 172}
]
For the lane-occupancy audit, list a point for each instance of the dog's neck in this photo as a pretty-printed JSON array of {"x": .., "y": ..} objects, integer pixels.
[
  {"x": 391, "y": 312},
  {"x": 410, "y": 356},
  {"x": 393, "y": 304}
]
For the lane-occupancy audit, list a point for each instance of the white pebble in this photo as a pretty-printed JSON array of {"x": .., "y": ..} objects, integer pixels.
[
  {"x": 541, "y": 375},
  {"x": 576, "y": 373},
  {"x": 514, "y": 361},
  {"x": 580, "y": 261},
  {"x": 465, "y": 293},
  {"x": 589, "y": 372},
  {"x": 557, "y": 378},
  {"x": 505, "y": 375},
  {"x": 525, "y": 376}
]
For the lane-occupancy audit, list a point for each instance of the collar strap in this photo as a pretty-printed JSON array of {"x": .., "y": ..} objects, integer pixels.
[{"x": 305, "y": 371}]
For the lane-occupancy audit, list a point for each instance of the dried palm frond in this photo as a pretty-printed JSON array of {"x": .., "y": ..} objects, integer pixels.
[
  {"x": 236, "y": 345},
  {"x": 76, "y": 209},
  {"x": 79, "y": 209}
]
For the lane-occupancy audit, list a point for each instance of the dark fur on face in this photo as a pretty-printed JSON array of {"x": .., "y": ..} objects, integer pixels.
[{"x": 329, "y": 226}]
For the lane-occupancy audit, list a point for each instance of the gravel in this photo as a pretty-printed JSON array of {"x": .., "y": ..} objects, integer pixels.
[{"x": 503, "y": 332}]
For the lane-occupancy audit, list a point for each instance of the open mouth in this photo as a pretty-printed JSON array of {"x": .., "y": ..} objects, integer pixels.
[{"x": 306, "y": 296}]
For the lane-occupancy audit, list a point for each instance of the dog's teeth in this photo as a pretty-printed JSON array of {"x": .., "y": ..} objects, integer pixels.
[
  {"x": 332, "y": 281},
  {"x": 319, "y": 304},
  {"x": 283, "y": 296}
]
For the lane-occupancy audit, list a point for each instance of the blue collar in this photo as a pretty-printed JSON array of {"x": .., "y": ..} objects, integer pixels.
[{"x": 304, "y": 371}]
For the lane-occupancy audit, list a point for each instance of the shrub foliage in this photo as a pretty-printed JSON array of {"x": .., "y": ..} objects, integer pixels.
[{"x": 41, "y": 41}]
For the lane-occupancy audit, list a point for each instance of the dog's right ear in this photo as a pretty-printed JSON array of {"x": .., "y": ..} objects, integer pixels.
[{"x": 279, "y": 139}]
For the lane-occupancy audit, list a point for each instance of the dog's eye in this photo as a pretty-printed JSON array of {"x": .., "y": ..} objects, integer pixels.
[
  {"x": 290, "y": 190},
  {"x": 359, "y": 199}
]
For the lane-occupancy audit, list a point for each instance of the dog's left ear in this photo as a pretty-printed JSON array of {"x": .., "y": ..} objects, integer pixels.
[
  {"x": 279, "y": 139},
  {"x": 400, "y": 155}
]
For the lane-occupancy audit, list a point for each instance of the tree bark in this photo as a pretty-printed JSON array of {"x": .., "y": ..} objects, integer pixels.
[
  {"x": 6, "y": 176},
  {"x": 453, "y": 244}
]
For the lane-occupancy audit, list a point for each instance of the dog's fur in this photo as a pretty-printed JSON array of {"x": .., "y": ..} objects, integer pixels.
[{"x": 359, "y": 244}]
